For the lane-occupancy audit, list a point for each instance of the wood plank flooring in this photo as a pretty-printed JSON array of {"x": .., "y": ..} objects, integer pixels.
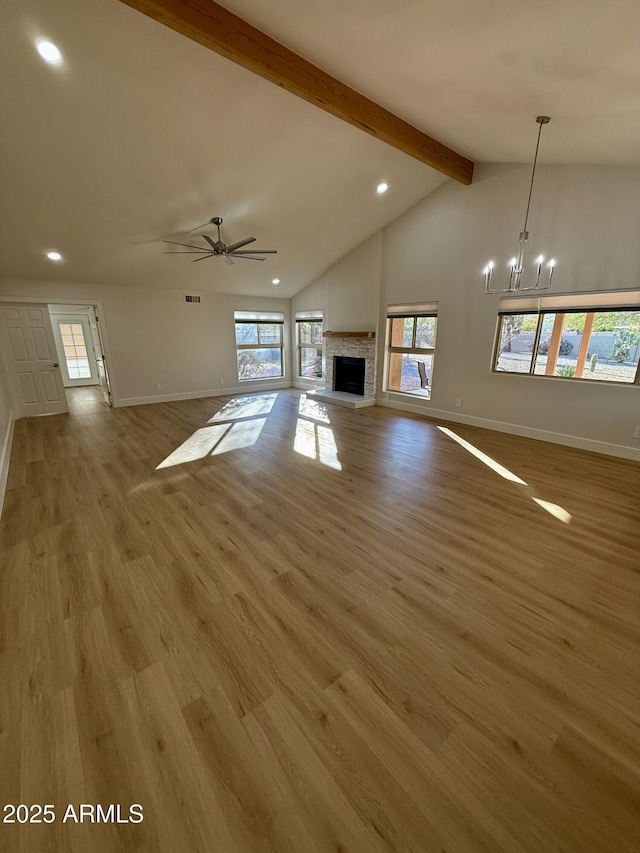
[{"x": 361, "y": 639}]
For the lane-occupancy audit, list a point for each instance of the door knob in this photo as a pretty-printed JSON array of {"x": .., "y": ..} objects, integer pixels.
[{"x": 55, "y": 364}]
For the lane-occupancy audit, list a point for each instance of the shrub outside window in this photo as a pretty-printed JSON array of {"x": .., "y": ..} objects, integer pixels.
[{"x": 598, "y": 345}]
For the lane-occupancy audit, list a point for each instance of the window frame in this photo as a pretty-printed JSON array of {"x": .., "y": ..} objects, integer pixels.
[
  {"x": 316, "y": 318},
  {"x": 260, "y": 320},
  {"x": 411, "y": 350},
  {"x": 556, "y": 311}
]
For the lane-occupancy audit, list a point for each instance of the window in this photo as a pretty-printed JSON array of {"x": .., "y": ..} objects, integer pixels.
[
  {"x": 411, "y": 346},
  {"x": 75, "y": 350},
  {"x": 309, "y": 341},
  {"x": 259, "y": 345},
  {"x": 597, "y": 343}
]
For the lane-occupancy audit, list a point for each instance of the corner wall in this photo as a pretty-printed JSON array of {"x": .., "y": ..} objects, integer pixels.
[{"x": 588, "y": 218}]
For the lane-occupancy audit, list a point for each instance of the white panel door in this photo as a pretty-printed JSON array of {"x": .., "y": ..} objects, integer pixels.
[
  {"x": 32, "y": 362},
  {"x": 73, "y": 339}
]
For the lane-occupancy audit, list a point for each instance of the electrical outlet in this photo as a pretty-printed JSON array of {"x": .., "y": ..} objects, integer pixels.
[
  {"x": 458, "y": 402},
  {"x": 221, "y": 380},
  {"x": 158, "y": 386},
  {"x": 636, "y": 432}
]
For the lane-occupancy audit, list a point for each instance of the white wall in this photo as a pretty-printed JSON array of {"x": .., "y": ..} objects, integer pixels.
[
  {"x": 154, "y": 336},
  {"x": 348, "y": 295},
  {"x": 352, "y": 288},
  {"x": 587, "y": 217}
]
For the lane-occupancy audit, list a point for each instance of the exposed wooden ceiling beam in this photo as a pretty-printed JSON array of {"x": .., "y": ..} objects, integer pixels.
[{"x": 225, "y": 33}]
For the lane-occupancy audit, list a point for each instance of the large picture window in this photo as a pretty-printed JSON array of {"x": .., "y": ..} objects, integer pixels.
[
  {"x": 309, "y": 343},
  {"x": 259, "y": 345},
  {"x": 601, "y": 344},
  {"x": 411, "y": 347}
]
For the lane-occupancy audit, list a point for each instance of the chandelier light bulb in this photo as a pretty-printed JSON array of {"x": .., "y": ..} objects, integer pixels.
[
  {"x": 552, "y": 263},
  {"x": 512, "y": 262},
  {"x": 540, "y": 259}
]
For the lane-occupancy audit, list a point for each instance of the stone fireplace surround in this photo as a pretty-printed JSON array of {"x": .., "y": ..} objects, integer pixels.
[{"x": 353, "y": 345}]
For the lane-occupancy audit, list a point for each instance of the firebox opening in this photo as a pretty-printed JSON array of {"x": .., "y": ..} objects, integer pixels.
[{"x": 349, "y": 375}]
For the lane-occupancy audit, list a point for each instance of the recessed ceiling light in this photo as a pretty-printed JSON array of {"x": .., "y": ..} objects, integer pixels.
[
  {"x": 275, "y": 281},
  {"x": 49, "y": 52},
  {"x": 382, "y": 188},
  {"x": 54, "y": 256}
]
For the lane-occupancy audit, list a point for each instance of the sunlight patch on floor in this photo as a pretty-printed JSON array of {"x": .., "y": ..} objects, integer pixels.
[
  {"x": 197, "y": 446},
  {"x": 553, "y": 509},
  {"x": 491, "y": 463},
  {"x": 313, "y": 439},
  {"x": 305, "y": 440},
  {"x": 316, "y": 442},
  {"x": 240, "y": 435},
  {"x": 245, "y": 407},
  {"x": 312, "y": 409},
  {"x": 233, "y": 434}
]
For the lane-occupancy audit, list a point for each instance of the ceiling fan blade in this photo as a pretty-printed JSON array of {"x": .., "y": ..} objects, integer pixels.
[
  {"x": 238, "y": 245},
  {"x": 188, "y": 245},
  {"x": 201, "y": 252},
  {"x": 208, "y": 255},
  {"x": 248, "y": 258},
  {"x": 211, "y": 242},
  {"x": 227, "y": 260},
  {"x": 257, "y": 252}
]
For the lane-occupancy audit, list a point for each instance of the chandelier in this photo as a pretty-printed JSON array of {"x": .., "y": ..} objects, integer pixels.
[{"x": 516, "y": 264}]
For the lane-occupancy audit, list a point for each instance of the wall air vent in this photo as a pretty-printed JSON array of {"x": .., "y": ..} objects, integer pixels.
[{"x": 192, "y": 297}]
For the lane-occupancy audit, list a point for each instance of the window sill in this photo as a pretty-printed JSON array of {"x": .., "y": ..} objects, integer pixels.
[
  {"x": 414, "y": 395},
  {"x": 578, "y": 380}
]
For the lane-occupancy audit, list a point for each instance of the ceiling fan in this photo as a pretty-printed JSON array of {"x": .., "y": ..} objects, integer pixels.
[{"x": 217, "y": 248}]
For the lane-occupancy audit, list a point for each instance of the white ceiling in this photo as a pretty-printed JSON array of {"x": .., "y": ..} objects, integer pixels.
[{"x": 141, "y": 134}]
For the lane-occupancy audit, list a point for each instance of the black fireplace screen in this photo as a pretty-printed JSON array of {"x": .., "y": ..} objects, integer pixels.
[{"x": 349, "y": 375}]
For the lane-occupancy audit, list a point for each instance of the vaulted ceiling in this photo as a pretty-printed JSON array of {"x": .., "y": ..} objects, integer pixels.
[{"x": 141, "y": 134}]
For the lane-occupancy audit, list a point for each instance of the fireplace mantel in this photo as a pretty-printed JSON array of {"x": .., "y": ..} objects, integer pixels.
[{"x": 349, "y": 334}]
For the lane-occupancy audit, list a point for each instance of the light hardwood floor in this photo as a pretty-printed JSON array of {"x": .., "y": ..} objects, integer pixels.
[{"x": 389, "y": 647}]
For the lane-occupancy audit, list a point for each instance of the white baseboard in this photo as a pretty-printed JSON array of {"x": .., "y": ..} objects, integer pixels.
[
  {"x": 195, "y": 395},
  {"x": 4, "y": 459},
  {"x": 516, "y": 429}
]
